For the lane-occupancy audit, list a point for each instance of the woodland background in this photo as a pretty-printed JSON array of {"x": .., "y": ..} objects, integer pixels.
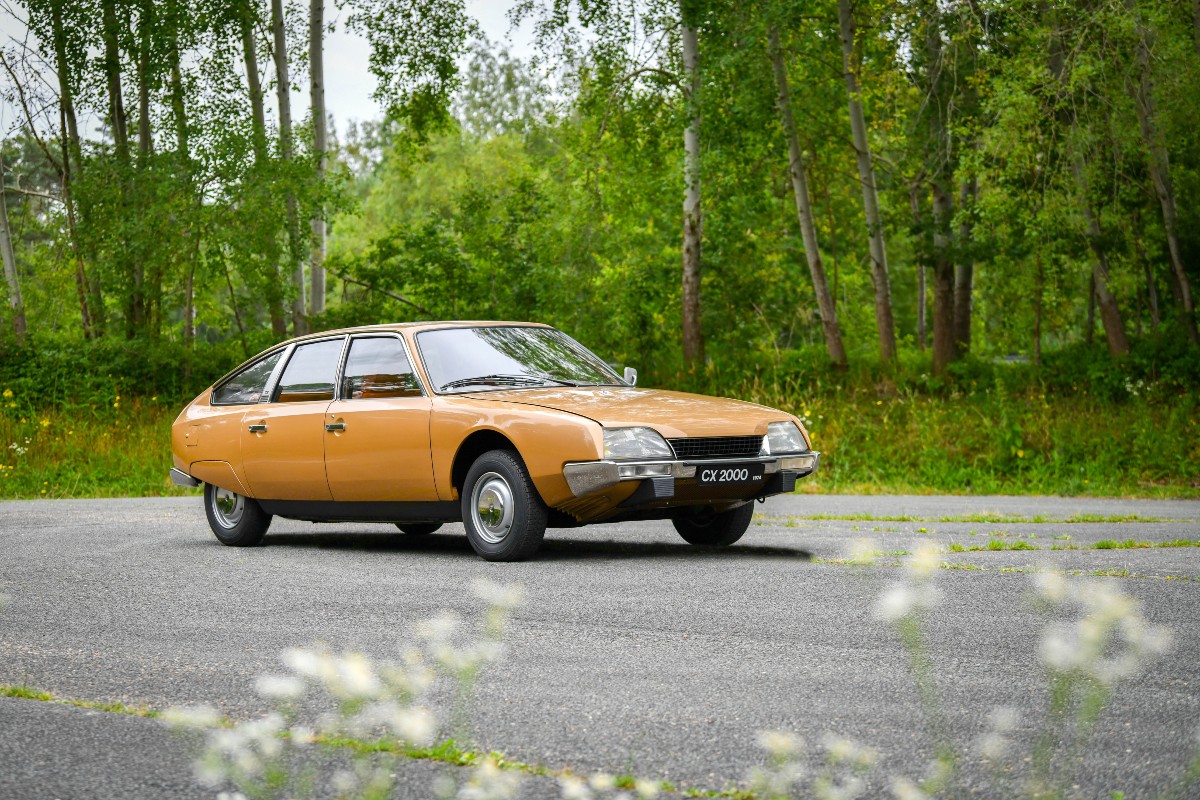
[{"x": 960, "y": 237}]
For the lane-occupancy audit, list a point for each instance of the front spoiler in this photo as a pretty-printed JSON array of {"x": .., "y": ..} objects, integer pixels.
[{"x": 588, "y": 477}]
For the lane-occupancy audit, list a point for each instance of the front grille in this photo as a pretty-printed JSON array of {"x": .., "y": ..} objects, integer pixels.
[{"x": 717, "y": 447}]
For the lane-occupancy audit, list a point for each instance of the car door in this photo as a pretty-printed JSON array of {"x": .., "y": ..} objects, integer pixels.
[
  {"x": 283, "y": 441},
  {"x": 377, "y": 431}
]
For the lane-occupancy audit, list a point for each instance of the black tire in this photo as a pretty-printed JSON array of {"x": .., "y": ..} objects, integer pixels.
[
  {"x": 514, "y": 530},
  {"x": 715, "y": 529},
  {"x": 237, "y": 521},
  {"x": 418, "y": 528}
]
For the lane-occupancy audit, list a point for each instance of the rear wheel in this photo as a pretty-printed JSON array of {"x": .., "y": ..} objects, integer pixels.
[
  {"x": 504, "y": 516},
  {"x": 709, "y": 527},
  {"x": 236, "y": 520},
  {"x": 418, "y": 528}
]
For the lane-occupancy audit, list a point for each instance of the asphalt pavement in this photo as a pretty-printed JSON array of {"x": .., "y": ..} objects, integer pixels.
[{"x": 633, "y": 653}]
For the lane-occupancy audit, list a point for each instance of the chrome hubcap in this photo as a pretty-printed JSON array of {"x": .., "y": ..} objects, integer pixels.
[
  {"x": 228, "y": 507},
  {"x": 492, "y": 507}
]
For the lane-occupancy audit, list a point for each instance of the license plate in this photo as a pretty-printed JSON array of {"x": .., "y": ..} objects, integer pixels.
[{"x": 726, "y": 474}]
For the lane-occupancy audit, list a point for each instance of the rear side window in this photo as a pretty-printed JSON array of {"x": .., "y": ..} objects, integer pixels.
[
  {"x": 310, "y": 373},
  {"x": 378, "y": 367},
  {"x": 247, "y": 386}
]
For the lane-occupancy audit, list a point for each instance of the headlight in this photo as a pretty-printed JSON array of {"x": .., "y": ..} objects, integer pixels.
[
  {"x": 783, "y": 437},
  {"x": 635, "y": 443}
]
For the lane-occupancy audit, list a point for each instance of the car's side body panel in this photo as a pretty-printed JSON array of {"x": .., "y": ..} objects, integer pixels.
[
  {"x": 545, "y": 438},
  {"x": 383, "y": 454},
  {"x": 286, "y": 461}
]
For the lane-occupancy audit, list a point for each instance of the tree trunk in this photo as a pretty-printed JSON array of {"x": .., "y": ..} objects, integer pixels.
[
  {"x": 1039, "y": 288},
  {"x": 939, "y": 170},
  {"x": 145, "y": 25},
  {"x": 1090, "y": 330},
  {"x": 184, "y": 154},
  {"x": 693, "y": 221},
  {"x": 316, "y": 58},
  {"x": 1160, "y": 174},
  {"x": 257, "y": 112},
  {"x": 91, "y": 300},
  {"x": 112, "y": 72},
  {"x": 964, "y": 272},
  {"x": 259, "y": 143},
  {"x": 808, "y": 230},
  {"x": 1196, "y": 24},
  {"x": 11, "y": 277},
  {"x": 884, "y": 321},
  {"x": 1110, "y": 314},
  {"x": 943, "y": 281},
  {"x": 283, "y": 91},
  {"x": 919, "y": 256}
]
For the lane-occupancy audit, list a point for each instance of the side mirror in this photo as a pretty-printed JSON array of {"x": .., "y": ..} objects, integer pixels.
[{"x": 631, "y": 376}]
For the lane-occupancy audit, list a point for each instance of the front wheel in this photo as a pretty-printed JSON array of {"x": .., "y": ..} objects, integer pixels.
[
  {"x": 237, "y": 521},
  {"x": 418, "y": 528},
  {"x": 715, "y": 529},
  {"x": 504, "y": 516}
]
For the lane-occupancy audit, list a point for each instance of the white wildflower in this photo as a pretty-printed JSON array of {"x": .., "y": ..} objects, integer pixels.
[
  {"x": 573, "y": 788},
  {"x": 279, "y": 687},
  {"x": 861, "y": 551},
  {"x": 1051, "y": 586},
  {"x": 439, "y": 628},
  {"x": 780, "y": 744},
  {"x": 306, "y": 663},
  {"x": 895, "y": 603},
  {"x": 203, "y": 716},
  {"x": 356, "y": 676},
  {"x": 924, "y": 561},
  {"x": 490, "y": 782},
  {"x": 904, "y": 789},
  {"x": 230, "y": 796},
  {"x": 603, "y": 782},
  {"x": 302, "y": 735},
  {"x": 414, "y": 725},
  {"x": 497, "y": 595},
  {"x": 645, "y": 789}
]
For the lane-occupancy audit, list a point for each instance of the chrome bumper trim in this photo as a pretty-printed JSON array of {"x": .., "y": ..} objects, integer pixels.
[
  {"x": 586, "y": 477},
  {"x": 181, "y": 478}
]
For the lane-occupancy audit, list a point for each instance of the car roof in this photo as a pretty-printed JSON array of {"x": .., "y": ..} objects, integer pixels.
[{"x": 416, "y": 327}]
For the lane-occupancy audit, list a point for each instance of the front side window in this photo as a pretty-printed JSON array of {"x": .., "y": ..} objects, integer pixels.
[
  {"x": 310, "y": 373},
  {"x": 471, "y": 359},
  {"x": 247, "y": 386},
  {"x": 378, "y": 367}
]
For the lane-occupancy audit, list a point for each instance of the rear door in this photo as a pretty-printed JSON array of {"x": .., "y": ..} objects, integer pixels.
[
  {"x": 377, "y": 431},
  {"x": 283, "y": 441}
]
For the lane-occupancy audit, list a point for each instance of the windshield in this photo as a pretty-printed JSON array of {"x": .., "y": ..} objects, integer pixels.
[{"x": 475, "y": 359}]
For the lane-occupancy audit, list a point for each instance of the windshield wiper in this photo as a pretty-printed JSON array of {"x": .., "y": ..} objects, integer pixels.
[{"x": 505, "y": 380}]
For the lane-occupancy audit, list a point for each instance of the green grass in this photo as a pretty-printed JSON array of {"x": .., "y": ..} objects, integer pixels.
[
  {"x": 999, "y": 519},
  {"x": 874, "y": 440}
]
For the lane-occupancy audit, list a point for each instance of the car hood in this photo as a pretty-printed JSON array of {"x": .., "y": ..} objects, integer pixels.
[{"x": 673, "y": 414}]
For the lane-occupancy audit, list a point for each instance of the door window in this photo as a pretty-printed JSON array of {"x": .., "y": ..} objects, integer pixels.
[
  {"x": 247, "y": 386},
  {"x": 379, "y": 367},
  {"x": 310, "y": 373}
]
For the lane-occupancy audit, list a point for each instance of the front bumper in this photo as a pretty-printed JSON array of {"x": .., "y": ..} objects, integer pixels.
[{"x": 588, "y": 477}]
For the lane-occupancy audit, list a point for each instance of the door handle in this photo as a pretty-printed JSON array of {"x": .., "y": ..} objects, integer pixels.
[
  {"x": 257, "y": 427},
  {"x": 335, "y": 426}
]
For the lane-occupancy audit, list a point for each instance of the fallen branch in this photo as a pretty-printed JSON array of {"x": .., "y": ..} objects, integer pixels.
[{"x": 384, "y": 292}]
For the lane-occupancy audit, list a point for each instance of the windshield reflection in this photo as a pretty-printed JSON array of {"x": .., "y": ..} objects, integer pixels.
[{"x": 508, "y": 357}]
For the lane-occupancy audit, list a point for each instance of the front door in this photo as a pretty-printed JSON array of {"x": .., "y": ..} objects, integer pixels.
[
  {"x": 377, "y": 433},
  {"x": 283, "y": 441}
]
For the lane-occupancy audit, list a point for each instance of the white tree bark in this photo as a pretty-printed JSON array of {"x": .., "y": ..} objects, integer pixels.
[
  {"x": 283, "y": 91},
  {"x": 884, "y": 320},
  {"x": 693, "y": 335},
  {"x": 316, "y": 60}
]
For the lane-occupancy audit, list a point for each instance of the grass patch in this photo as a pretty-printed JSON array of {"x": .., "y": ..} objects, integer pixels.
[
  {"x": 994, "y": 519},
  {"x": 112, "y": 707},
  {"x": 25, "y": 692}
]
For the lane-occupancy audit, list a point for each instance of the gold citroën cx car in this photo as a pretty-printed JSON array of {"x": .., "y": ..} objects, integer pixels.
[{"x": 508, "y": 427}]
